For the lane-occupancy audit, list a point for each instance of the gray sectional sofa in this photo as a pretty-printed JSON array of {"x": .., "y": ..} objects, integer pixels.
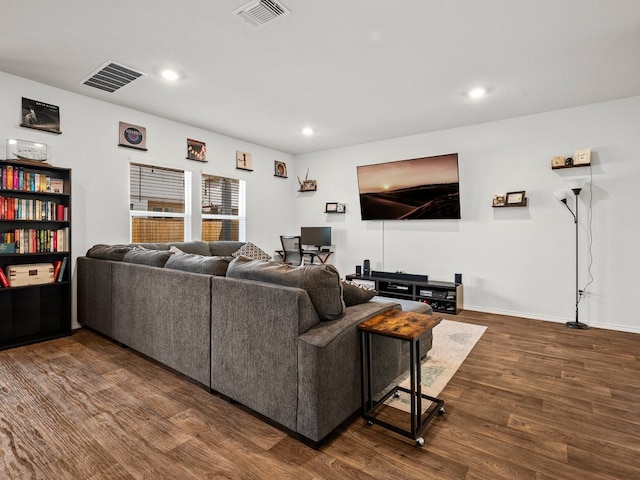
[{"x": 274, "y": 338}]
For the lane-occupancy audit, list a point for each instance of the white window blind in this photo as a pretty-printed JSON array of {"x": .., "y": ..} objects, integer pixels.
[
  {"x": 159, "y": 199},
  {"x": 223, "y": 208}
]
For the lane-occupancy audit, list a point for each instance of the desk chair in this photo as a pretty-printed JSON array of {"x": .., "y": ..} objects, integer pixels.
[{"x": 292, "y": 252}]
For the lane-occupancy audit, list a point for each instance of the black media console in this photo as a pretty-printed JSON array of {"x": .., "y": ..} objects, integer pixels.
[{"x": 444, "y": 297}]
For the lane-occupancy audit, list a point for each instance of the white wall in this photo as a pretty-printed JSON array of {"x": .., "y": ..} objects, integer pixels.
[
  {"x": 100, "y": 187},
  {"x": 518, "y": 261}
]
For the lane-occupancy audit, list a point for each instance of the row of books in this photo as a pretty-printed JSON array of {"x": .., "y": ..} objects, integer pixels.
[
  {"x": 17, "y": 178},
  {"x": 32, "y": 240},
  {"x": 59, "y": 267},
  {"x": 31, "y": 209}
]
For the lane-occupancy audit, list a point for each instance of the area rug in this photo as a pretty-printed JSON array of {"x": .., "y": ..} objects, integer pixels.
[{"x": 452, "y": 342}]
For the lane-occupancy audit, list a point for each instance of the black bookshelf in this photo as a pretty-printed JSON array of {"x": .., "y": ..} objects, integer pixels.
[{"x": 34, "y": 313}]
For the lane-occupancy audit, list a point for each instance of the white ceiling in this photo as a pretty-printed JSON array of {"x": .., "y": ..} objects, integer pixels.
[{"x": 354, "y": 70}]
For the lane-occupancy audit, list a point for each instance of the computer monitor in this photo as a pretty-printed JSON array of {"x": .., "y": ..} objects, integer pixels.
[{"x": 316, "y": 236}]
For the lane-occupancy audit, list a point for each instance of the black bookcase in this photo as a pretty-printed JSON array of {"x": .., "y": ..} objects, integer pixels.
[{"x": 40, "y": 218}]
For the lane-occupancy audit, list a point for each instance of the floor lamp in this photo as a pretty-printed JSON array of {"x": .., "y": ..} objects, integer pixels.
[{"x": 576, "y": 187}]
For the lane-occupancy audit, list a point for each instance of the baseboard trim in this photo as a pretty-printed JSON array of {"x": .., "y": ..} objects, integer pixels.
[{"x": 606, "y": 326}]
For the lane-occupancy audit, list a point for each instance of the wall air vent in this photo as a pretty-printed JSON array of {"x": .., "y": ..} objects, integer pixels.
[
  {"x": 258, "y": 14},
  {"x": 111, "y": 77}
]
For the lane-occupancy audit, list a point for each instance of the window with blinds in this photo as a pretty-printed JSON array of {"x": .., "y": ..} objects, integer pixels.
[
  {"x": 223, "y": 208},
  {"x": 159, "y": 204}
]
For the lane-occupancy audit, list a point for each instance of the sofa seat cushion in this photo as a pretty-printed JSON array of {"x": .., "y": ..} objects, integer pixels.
[
  {"x": 142, "y": 256},
  {"x": 191, "y": 262},
  {"x": 322, "y": 282}
]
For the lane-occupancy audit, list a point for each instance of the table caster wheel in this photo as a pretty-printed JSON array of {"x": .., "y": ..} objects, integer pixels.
[
  {"x": 441, "y": 411},
  {"x": 396, "y": 395},
  {"x": 369, "y": 423},
  {"x": 420, "y": 442}
]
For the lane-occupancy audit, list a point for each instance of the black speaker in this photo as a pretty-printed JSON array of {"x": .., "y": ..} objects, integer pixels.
[
  {"x": 366, "y": 268},
  {"x": 358, "y": 270},
  {"x": 458, "y": 277}
]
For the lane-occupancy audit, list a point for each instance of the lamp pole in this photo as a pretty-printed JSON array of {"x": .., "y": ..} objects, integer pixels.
[{"x": 577, "y": 323}]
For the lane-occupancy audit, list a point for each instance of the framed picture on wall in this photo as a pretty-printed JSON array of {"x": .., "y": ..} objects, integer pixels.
[
  {"x": 244, "y": 161},
  {"x": 132, "y": 136},
  {"x": 279, "y": 169},
  {"x": 196, "y": 150},
  {"x": 516, "y": 198},
  {"x": 40, "y": 116}
]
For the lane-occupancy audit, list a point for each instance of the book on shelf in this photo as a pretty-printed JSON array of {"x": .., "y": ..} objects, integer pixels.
[
  {"x": 56, "y": 268},
  {"x": 61, "y": 271},
  {"x": 56, "y": 185},
  {"x": 3, "y": 279}
]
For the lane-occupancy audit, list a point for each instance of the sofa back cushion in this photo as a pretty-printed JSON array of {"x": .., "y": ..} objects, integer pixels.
[
  {"x": 191, "y": 262},
  {"x": 109, "y": 252},
  {"x": 224, "y": 248},
  {"x": 153, "y": 258},
  {"x": 322, "y": 282}
]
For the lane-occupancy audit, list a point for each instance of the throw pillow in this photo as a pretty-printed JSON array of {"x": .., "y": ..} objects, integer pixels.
[
  {"x": 355, "y": 294},
  {"x": 153, "y": 258},
  {"x": 321, "y": 281},
  {"x": 251, "y": 251},
  {"x": 191, "y": 262}
]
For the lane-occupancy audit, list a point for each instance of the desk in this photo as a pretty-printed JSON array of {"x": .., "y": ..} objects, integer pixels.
[
  {"x": 322, "y": 255},
  {"x": 406, "y": 326}
]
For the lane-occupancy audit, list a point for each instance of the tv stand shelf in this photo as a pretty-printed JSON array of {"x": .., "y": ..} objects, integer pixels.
[{"x": 444, "y": 297}]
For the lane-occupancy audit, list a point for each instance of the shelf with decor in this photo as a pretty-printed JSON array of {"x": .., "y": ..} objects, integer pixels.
[
  {"x": 511, "y": 199},
  {"x": 35, "y": 252}
]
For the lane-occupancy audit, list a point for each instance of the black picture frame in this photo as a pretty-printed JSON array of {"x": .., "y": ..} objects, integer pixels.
[
  {"x": 40, "y": 116},
  {"x": 331, "y": 207},
  {"x": 516, "y": 198},
  {"x": 279, "y": 169}
]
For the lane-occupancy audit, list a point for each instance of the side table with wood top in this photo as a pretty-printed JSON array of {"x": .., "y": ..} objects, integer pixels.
[{"x": 409, "y": 327}]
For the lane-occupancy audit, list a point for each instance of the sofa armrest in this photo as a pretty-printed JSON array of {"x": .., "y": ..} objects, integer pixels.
[
  {"x": 254, "y": 344},
  {"x": 329, "y": 375},
  {"x": 94, "y": 294}
]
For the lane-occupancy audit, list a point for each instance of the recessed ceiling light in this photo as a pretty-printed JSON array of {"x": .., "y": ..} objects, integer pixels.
[
  {"x": 170, "y": 75},
  {"x": 477, "y": 92},
  {"x": 307, "y": 131}
]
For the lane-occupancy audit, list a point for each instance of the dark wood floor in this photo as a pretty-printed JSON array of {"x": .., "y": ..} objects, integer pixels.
[{"x": 534, "y": 400}]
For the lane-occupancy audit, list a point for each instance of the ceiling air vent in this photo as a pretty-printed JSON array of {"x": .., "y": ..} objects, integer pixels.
[
  {"x": 258, "y": 14},
  {"x": 111, "y": 77}
]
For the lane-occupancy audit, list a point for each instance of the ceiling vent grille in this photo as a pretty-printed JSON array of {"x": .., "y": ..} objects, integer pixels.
[
  {"x": 258, "y": 14},
  {"x": 111, "y": 77}
]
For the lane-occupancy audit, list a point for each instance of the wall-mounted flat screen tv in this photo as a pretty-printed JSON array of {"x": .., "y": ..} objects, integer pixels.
[{"x": 416, "y": 189}]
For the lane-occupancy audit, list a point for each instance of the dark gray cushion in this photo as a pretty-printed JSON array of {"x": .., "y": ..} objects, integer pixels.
[
  {"x": 195, "y": 246},
  {"x": 321, "y": 281},
  {"x": 191, "y": 262},
  {"x": 224, "y": 248},
  {"x": 355, "y": 294},
  {"x": 108, "y": 252},
  {"x": 153, "y": 258}
]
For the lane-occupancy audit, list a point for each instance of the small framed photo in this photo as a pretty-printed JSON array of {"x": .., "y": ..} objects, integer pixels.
[
  {"x": 341, "y": 208},
  {"x": 279, "y": 169},
  {"x": 244, "y": 161},
  {"x": 498, "y": 200},
  {"x": 582, "y": 157},
  {"x": 516, "y": 198},
  {"x": 196, "y": 150},
  {"x": 331, "y": 207},
  {"x": 308, "y": 186}
]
